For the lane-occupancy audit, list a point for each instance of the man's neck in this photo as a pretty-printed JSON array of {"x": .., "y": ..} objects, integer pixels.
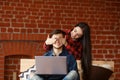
[{"x": 57, "y": 51}]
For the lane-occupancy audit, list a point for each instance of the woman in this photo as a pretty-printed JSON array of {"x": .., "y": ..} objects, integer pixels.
[{"x": 78, "y": 43}]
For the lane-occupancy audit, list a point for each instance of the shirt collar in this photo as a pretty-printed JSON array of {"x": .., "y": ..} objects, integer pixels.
[{"x": 62, "y": 53}]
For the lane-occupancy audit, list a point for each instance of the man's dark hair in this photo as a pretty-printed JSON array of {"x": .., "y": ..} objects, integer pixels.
[{"x": 57, "y": 31}]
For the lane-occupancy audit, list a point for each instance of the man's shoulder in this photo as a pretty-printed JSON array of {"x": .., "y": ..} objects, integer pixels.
[
  {"x": 68, "y": 54},
  {"x": 71, "y": 55},
  {"x": 48, "y": 53}
]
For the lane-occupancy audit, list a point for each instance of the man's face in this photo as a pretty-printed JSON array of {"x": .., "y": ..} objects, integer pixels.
[{"x": 58, "y": 43}]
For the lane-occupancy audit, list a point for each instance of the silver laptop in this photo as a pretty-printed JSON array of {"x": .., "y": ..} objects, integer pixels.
[{"x": 51, "y": 65}]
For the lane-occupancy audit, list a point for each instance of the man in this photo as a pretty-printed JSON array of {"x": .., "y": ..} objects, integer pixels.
[{"x": 58, "y": 49}]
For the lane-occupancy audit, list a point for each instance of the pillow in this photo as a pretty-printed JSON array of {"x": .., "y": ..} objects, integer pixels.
[{"x": 26, "y": 74}]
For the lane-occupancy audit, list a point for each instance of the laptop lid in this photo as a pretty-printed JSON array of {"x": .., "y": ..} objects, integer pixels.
[{"x": 51, "y": 65}]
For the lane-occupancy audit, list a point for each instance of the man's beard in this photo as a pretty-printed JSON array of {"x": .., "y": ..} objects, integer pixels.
[{"x": 58, "y": 47}]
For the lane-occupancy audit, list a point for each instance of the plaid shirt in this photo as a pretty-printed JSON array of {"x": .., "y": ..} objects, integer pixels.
[{"x": 74, "y": 47}]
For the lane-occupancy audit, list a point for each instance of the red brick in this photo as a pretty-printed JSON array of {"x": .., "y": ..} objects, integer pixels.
[
  {"x": 10, "y": 30},
  {"x": 4, "y": 24},
  {"x": 99, "y": 56},
  {"x": 17, "y": 25},
  {"x": 31, "y": 25},
  {"x": 3, "y": 30}
]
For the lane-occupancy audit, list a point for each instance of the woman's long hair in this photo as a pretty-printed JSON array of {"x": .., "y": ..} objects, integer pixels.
[{"x": 86, "y": 50}]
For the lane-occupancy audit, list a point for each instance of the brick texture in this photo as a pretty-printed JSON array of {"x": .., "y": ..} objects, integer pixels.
[{"x": 24, "y": 25}]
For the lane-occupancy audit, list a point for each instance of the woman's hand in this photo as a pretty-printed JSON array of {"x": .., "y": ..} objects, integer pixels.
[{"x": 49, "y": 40}]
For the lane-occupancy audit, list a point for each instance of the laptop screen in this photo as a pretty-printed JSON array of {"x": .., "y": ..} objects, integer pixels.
[{"x": 51, "y": 65}]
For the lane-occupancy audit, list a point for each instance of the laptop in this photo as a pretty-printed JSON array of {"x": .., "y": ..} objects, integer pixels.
[{"x": 51, "y": 65}]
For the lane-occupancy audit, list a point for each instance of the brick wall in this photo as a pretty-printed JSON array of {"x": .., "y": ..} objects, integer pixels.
[{"x": 23, "y": 22}]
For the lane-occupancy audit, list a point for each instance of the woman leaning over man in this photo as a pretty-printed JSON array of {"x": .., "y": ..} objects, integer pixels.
[{"x": 78, "y": 43}]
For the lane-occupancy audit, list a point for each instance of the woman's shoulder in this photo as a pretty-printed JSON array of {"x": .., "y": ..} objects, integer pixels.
[{"x": 67, "y": 31}]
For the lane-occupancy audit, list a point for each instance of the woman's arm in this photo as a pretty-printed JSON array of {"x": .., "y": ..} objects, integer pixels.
[{"x": 49, "y": 41}]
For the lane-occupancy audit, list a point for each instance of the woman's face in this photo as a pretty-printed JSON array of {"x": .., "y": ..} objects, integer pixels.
[{"x": 76, "y": 33}]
